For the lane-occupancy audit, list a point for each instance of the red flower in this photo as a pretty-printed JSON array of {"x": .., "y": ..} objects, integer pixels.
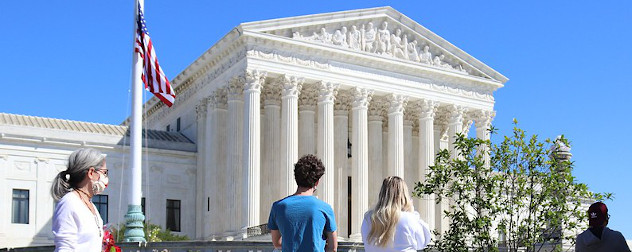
[{"x": 108, "y": 242}]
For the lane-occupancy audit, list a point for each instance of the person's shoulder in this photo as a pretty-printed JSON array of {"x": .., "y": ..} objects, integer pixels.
[
  {"x": 582, "y": 234},
  {"x": 410, "y": 216},
  {"x": 283, "y": 200},
  {"x": 615, "y": 233},
  {"x": 68, "y": 203},
  {"x": 68, "y": 199}
]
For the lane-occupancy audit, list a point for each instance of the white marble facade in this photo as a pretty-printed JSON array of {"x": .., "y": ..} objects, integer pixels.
[
  {"x": 370, "y": 91},
  {"x": 34, "y": 149}
]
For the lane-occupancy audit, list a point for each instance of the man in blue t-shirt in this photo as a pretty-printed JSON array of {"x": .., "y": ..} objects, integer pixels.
[{"x": 303, "y": 221}]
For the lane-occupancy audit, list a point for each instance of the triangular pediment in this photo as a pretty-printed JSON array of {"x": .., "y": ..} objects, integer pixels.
[{"x": 383, "y": 32}]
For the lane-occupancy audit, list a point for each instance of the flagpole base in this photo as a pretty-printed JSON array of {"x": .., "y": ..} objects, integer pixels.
[{"x": 134, "y": 231}]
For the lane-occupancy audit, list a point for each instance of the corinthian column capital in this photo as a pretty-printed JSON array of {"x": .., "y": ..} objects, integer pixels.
[
  {"x": 201, "y": 108},
  {"x": 397, "y": 103},
  {"x": 456, "y": 114},
  {"x": 236, "y": 87},
  {"x": 428, "y": 108},
  {"x": 361, "y": 97},
  {"x": 327, "y": 91},
  {"x": 271, "y": 94},
  {"x": 254, "y": 80},
  {"x": 483, "y": 118},
  {"x": 342, "y": 102},
  {"x": 378, "y": 107},
  {"x": 308, "y": 97},
  {"x": 219, "y": 98},
  {"x": 290, "y": 85}
]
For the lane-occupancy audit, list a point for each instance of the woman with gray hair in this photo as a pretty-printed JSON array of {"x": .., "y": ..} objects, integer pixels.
[{"x": 77, "y": 225}]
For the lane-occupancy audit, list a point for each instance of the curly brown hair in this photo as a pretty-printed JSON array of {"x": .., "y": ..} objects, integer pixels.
[{"x": 308, "y": 170}]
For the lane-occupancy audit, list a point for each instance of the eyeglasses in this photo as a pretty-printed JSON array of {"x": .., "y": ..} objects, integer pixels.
[{"x": 104, "y": 171}]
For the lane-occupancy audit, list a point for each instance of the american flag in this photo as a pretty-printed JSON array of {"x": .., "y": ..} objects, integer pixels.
[{"x": 152, "y": 75}]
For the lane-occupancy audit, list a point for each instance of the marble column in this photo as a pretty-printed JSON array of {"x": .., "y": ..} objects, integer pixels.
[
  {"x": 360, "y": 159},
  {"x": 441, "y": 143},
  {"x": 341, "y": 161},
  {"x": 235, "y": 140},
  {"x": 291, "y": 87},
  {"x": 396, "y": 135},
  {"x": 426, "y": 157},
  {"x": 307, "y": 122},
  {"x": 200, "y": 196},
  {"x": 325, "y": 142},
  {"x": 210, "y": 176},
  {"x": 411, "y": 173},
  {"x": 483, "y": 125},
  {"x": 271, "y": 161},
  {"x": 252, "y": 148},
  {"x": 220, "y": 157},
  {"x": 456, "y": 118},
  {"x": 377, "y": 109}
]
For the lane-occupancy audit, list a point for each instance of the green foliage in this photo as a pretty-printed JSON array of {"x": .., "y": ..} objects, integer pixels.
[
  {"x": 516, "y": 188},
  {"x": 153, "y": 233}
]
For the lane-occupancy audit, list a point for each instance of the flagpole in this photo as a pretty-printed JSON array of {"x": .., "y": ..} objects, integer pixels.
[{"x": 135, "y": 217}]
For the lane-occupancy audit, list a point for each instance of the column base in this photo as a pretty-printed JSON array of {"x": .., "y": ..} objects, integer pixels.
[
  {"x": 134, "y": 227},
  {"x": 357, "y": 237}
]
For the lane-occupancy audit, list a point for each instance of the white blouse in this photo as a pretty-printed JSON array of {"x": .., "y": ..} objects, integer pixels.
[
  {"x": 411, "y": 233},
  {"x": 75, "y": 227}
]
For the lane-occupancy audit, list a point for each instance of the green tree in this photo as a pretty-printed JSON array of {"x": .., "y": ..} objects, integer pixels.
[{"x": 524, "y": 191}]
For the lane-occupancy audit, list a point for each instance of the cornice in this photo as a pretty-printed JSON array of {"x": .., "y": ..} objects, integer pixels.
[{"x": 437, "y": 81}]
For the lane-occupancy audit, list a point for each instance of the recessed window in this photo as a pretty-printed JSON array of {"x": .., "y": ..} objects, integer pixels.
[
  {"x": 178, "y": 125},
  {"x": 173, "y": 215},
  {"x": 20, "y": 209},
  {"x": 142, "y": 206},
  {"x": 101, "y": 201},
  {"x": 168, "y": 127}
]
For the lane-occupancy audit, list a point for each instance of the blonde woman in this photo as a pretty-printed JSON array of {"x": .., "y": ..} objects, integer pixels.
[{"x": 393, "y": 225}]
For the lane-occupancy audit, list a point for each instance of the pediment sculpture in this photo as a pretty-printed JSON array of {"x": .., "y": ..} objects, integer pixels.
[{"x": 380, "y": 40}]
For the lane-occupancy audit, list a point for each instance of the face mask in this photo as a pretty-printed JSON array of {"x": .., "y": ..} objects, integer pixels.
[{"x": 99, "y": 186}]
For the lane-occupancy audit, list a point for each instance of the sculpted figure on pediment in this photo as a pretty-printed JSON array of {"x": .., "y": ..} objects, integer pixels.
[
  {"x": 354, "y": 38},
  {"x": 425, "y": 56},
  {"x": 438, "y": 61},
  {"x": 369, "y": 35},
  {"x": 460, "y": 68},
  {"x": 340, "y": 37},
  {"x": 412, "y": 51},
  {"x": 297, "y": 35},
  {"x": 399, "y": 45},
  {"x": 323, "y": 36},
  {"x": 383, "y": 40}
]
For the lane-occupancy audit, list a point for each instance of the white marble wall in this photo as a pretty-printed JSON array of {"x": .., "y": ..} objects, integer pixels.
[{"x": 31, "y": 165}]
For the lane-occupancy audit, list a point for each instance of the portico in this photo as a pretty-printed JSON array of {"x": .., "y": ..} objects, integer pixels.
[{"x": 363, "y": 99}]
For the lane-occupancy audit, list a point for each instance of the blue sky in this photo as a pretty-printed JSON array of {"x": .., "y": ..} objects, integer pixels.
[{"x": 569, "y": 63}]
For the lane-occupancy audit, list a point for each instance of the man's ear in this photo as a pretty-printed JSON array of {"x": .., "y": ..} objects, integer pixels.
[{"x": 317, "y": 181}]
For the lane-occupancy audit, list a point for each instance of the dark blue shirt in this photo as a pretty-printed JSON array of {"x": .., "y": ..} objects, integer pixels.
[{"x": 303, "y": 222}]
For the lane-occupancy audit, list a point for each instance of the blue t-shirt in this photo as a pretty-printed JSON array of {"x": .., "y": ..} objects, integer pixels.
[{"x": 303, "y": 222}]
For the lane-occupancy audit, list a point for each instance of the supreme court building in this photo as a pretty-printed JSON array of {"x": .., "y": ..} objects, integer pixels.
[{"x": 371, "y": 92}]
